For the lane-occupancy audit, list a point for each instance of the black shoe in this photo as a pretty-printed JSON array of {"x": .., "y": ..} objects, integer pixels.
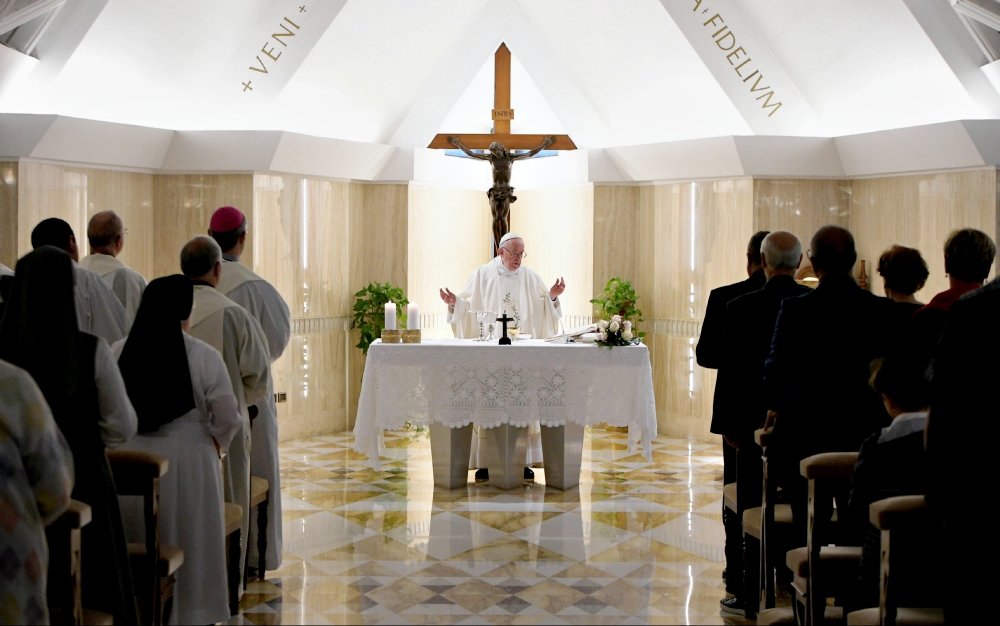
[
  {"x": 732, "y": 606},
  {"x": 482, "y": 474},
  {"x": 528, "y": 474}
]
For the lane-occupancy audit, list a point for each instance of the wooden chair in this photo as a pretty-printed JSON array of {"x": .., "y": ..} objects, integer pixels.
[
  {"x": 64, "y": 584},
  {"x": 234, "y": 520},
  {"x": 911, "y": 564},
  {"x": 154, "y": 565},
  {"x": 821, "y": 570},
  {"x": 259, "y": 494},
  {"x": 765, "y": 524}
]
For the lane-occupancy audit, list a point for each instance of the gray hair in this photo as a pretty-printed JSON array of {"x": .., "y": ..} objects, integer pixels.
[
  {"x": 782, "y": 250},
  {"x": 199, "y": 256},
  {"x": 104, "y": 228}
]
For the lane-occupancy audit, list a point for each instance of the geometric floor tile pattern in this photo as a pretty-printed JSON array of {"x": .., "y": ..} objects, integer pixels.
[{"x": 635, "y": 543}]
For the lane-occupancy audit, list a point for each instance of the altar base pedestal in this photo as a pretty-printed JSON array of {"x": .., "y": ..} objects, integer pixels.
[
  {"x": 507, "y": 449},
  {"x": 450, "y": 448},
  {"x": 562, "y": 453}
]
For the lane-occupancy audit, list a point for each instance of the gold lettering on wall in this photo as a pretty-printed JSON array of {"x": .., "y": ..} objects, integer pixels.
[
  {"x": 269, "y": 53},
  {"x": 725, "y": 39}
]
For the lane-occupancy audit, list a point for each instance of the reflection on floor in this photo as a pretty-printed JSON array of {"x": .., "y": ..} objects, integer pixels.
[{"x": 637, "y": 542}]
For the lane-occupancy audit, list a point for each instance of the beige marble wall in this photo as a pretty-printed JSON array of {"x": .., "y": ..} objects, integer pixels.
[
  {"x": 801, "y": 206},
  {"x": 8, "y": 213},
  {"x": 319, "y": 242},
  {"x": 920, "y": 211},
  {"x": 183, "y": 205},
  {"x": 554, "y": 224},
  {"x": 449, "y": 237},
  {"x": 75, "y": 194}
]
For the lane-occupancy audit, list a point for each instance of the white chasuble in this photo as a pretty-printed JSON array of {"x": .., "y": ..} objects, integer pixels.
[
  {"x": 524, "y": 296},
  {"x": 191, "y": 493},
  {"x": 126, "y": 283},
  {"x": 98, "y": 310},
  {"x": 227, "y": 327},
  {"x": 266, "y": 305}
]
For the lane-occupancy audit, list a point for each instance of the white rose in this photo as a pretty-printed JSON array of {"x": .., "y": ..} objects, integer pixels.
[
  {"x": 602, "y": 326},
  {"x": 627, "y": 325},
  {"x": 616, "y": 318},
  {"x": 604, "y": 336},
  {"x": 614, "y": 326},
  {"x": 627, "y": 335}
]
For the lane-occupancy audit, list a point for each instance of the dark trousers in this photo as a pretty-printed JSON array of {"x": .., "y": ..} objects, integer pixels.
[
  {"x": 733, "y": 524},
  {"x": 749, "y": 476}
]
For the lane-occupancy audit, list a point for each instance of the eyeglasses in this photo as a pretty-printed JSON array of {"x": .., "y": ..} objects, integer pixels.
[{"x": 516, "y": 255}]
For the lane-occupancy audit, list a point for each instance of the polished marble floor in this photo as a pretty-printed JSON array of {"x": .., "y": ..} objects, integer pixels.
[{"x": 637, "y": 542}]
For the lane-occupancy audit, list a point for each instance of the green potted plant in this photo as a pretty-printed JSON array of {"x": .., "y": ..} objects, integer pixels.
[
  {"x": 369, "y": 311},
  {"x": 617, "y": 313}
]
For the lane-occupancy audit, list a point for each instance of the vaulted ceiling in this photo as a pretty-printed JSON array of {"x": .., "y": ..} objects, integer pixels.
[{"x": 608, "y": 72}]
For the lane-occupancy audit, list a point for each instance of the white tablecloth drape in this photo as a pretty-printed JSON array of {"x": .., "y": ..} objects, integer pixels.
[{"x": 458, "y": 382}]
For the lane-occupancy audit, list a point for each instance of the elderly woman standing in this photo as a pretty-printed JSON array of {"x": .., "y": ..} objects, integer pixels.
[{"x": 38, "y": 478}]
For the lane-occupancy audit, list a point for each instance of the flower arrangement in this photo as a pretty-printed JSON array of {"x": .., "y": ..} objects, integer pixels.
[{"x": 617, "y": 332}]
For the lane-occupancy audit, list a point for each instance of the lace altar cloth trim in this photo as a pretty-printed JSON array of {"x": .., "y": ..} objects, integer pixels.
[{"x": 460, "y": 382}]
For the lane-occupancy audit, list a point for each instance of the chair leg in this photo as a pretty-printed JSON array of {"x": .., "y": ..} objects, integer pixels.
[
  {"x": 166, "y": 598},
  {"x": 233, "y": 562}
]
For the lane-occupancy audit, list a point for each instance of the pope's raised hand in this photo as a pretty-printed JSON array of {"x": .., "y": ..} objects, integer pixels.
[
  {"x": 449, "y": 298},
  {"x": 558, "y": 288}
]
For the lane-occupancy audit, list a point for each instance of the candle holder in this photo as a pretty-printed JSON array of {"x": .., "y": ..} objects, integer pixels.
[
  {"x": 391, "y": 336},
  {"x": 411, "y": 336}
]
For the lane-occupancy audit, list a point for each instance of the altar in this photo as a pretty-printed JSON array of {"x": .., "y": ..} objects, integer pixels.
[{"x": 450, "y": 385}]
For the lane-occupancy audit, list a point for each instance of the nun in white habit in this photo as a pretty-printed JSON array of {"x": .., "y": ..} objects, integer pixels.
[{"x": 184, "y": 400}]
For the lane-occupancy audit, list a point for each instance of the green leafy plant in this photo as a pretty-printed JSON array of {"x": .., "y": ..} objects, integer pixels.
[
  {"x": 619, "y": 299},
  {"x": 369, "y": 311}
]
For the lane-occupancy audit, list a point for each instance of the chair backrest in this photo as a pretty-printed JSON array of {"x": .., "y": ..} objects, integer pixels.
[
  {"x": 64, "y": 584},
  {"x": 912, "y": 554},
  {"x": 766, "y": 580},
  {"x": 829, "y": 475},
  {"x": 137, "y": 473}
]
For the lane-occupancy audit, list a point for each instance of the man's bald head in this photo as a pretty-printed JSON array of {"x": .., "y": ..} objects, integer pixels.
[
  {"x": 781, "y": 253},
  {"x": 201, "y": 259},
  {"x": 833, "y": 251},
  {"x": 106, "y": 233}
]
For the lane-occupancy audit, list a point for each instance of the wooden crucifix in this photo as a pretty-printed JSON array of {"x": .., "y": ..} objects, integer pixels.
[{"x": 501, "y": 146}]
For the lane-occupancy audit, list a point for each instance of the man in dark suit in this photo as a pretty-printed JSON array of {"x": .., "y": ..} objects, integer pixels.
[
  {"x": 816, "y": 377},
  {"x": 960, "y": 472},
  {"x": 749, "y": 328},
  {"x": 710, "y": 354}
]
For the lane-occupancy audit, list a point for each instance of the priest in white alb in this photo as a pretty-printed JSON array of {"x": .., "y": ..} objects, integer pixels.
[
  {"x": 240, "y": 284},
  {"x": 505, "y": 285},
  {"x": 230, "y": 329},
  {"x": 98, "y": 310},
  {"x": 106, "y": 234}
]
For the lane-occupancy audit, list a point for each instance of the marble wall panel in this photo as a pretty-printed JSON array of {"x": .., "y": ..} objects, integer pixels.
[
  {"x": 920, "y": 211},
  {"x": 557, "y": 227},
  {"x": 8, "y": 213},
  {"x": 313, "y": 372},
  {"x": 801, "y": 206},
  {"x": 616, "y": 234},
  {"x": 449, "y": 237},
  {"x": 75, "y": 194},
  {"x": 183, "y": 205}
]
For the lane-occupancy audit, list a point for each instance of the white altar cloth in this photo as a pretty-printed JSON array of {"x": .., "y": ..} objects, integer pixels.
[{"x": 459, "y": 381}]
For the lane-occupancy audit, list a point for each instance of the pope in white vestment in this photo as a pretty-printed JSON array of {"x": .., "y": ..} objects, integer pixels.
[
  {"x": 126, "y": 283},
  {"x": 504, "y": 284},
  {"x": 230, "y": 329}
]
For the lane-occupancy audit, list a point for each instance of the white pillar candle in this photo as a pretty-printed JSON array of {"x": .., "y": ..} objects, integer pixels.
[
  {"x": 390, "y": 316},
  {"x": 412, "y": 316}
]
